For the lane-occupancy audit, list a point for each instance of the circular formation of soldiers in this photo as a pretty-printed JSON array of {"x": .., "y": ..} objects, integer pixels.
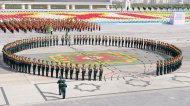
[
  {"x": 41, "y": 25},
  {"x": 24, "y": 64}
]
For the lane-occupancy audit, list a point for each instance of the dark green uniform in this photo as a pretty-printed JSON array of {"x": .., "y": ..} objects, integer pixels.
[
  {"x": 62, "y": 87},
  {"x": 83, "y": 72}
]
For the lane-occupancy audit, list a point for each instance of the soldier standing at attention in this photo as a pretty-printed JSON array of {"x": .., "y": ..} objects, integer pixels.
[
  {"x": 92, "y": 40},
  {"x": 29, "y": 65},
  {"x": 89, "y": 40},
  {"x": 62, "y": 40},
  {"x": 83, "y": 71},
  {"x": 51, "y": 39},
  {"x": 57, "y": 69},
  {"x": 165, "y": 66},
  {"x": 34, "y": 66},
  {"x": 54, "y": 39},
  {"x": 116, "y": 41},
  {"x": 95, "y": 72},
  {"x": 43, "y": 67},
  {"x": 113, "y": 40},
  {"x": 71, "y": 71},
  {"x": 52, "y": 68},
  {"x": 86, "y": 40},
  {"x": 122, "y": 42},
  {"x": 74, "y": 39},
  {"x": 66, "y": 70},
  {"x": 62, "y": 69},
  {"x": 109, "y": 40},
  {"x": 158, "y": 68},
  {"x": 80, "y": 39},
  {"x": 161, "y": 67},
  {"x": 103, "y": 40},
  {"x": 66, "y": 40},
  {"x": 77, "y": 71},
  {"x": 39, "y": 66},
  {"x": 100, "y": 72},
  {"x": 47, "y": 68},
  {"x": 89, "y": 72},
  {"x": 119, "y": 41},
  {"x": 99, "y": 40},
  {"x": 106, "y": 40},
  {"x": 96, "y": 40},
  {"x": 57, "y": 40}
]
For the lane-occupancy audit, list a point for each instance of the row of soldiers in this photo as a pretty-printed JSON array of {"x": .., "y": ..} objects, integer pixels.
[
  {"x": 140, "y": 43},
  {"x": 41, "y": 25}
]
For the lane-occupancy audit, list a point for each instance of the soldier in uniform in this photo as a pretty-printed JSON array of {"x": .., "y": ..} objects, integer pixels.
[
  {"x": 77, "y": 69},
  {"x": 119, "y": 41},
  {"x": 89, "y": 72},
  {"x": 62, "y": 87},
  {"x": 83, "y": 71},
  {"x": 92, "y": 40},
  {"x": 71, "y": 71},
  {"x": 100, "y": 72},
  {"x": 54, "y": 39},
  {"x": 99, "y": 40},
  {"x": 161, "y": 67},
  {"x": 51, "y": 40},
  {"x": 116, "y": 40},
  {"x": 34, "y": 66},
  {"x": 57, "y": 40},
  {"x": 122, "y": 42},
  {"x": 106, "y": 40},
  {"x": 86, "y": 40},
  {"x": 165, "y": 66},
  {"x": 29, "y": 65},
  {"x": 95, "y": 72},
  {"x": 103, "y": 40},
  {"x": 109, "y": 40},
  {"x": 158, "y": 68},
  {"x": 66, "y": 70},
  {"x": 80, "y": 39},
  {"x": 39, "y": 66},
  {"x": 66, "y": 40},
  {"x": 43, "y": 67},
  {"x": 74, "y": 39},
  {"x": 47, "y": 68},
  {"x": 89, "y": 40},
  {"x": 62, "y": 69},
  {"x": 113, "y": 40},
  {"x": 57, "y": 69},
  {"x": 62, "y": 40},
  {"x": 52, "y": 68}
]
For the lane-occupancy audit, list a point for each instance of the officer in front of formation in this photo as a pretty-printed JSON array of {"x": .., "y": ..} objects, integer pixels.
[{"x": 62, "y": 87}]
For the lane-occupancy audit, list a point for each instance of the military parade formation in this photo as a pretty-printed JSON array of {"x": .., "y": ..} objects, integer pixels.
[
  {"x": 41, "y": 25},
  {"x": 66, "y": 70}
]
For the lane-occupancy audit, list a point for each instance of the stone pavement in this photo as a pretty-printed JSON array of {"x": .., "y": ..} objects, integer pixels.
[{"x": 131, "y": 89}]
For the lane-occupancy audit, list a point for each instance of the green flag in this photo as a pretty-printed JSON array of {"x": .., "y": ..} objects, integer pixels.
[{"x": 49, "y": 28}]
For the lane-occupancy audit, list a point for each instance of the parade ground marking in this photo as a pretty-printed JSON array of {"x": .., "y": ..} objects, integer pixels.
[
  {"x": 93, "y": 57},
  {"x": 3, "y": 98}
]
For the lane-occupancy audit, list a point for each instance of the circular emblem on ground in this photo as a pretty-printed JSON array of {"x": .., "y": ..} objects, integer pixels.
[
  {"x": 181, "y": 78},
  {"x": 138, "y": 82},
  {"x": 87, "y": 87}
]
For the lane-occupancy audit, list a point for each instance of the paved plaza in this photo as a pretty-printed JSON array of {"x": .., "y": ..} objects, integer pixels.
[{"x": 131, "y": 83}]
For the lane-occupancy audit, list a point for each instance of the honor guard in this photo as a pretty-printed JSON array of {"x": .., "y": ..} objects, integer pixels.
[
  {"x": 39, "y": 66},
  {"x": 119, "y": 41},
  {"x": 106, "y": 40},
  {"x": 99, "y": 40},
  {"x": 62, "y": 69},
  {"x": 57, "y": 69},
  {"x": 83, "y": 68},
  {"x": 47, "y": 68},
  {"x": 66, "y": 70},
  {"x": 96, "y": 40},
  {"x": 92, "y": 40},
  {"x": 43, "y": 67},
  {"x": 80, "y": 39},
  {"x": 89, "y": 72},
  {"x": 52, "y": 68},
  {"x": 165, "y": 66},
  {"x": 51, "y": 40},
  {"x": 122, "y": 42},
  {"x": 86, "y": 40},
  {"x": 113, "y": 40},
  {"x": 100, "y": 72},
  {"x": 71, "y": 71},
  {"x": 95, "y": 72},
  {"x": 89, "y": 40},
  {"x": 116, "y": 40},
  {"x": 103, "y": 39},
  {"x": 77, "y": 70},
  {"x": 34, "y": 66}
]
